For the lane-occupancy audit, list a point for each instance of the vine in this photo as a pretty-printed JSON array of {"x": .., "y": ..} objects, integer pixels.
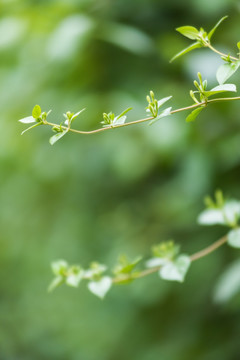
[{"x": 166, "y": 258}]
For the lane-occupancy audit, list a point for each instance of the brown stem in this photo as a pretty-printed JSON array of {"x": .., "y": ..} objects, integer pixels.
[{"x": 198, "y": 255}]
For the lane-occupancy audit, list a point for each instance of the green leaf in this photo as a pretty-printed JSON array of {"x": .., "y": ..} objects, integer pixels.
[
  {"x": 118, "y": 121},
  {"x": 27, "y": 120},
  {"x": 194, "y": 114},
  {"x": 100, "y": 287},
  {"x": 123, "y": 113},
  {"x": 57, "y": 281},
  {"x": 59, "y": 267},
  {"x": 229, "y": 283},
  {"x": 125, "y": 266},
  {"x": 72, "y": 117},
  {"x": 57, "y": 136},
  {"x": 31, "y": 127},
  {"x": 210, "y": 34},
  {"x": 166, "y": 250},
  {"x": 175, "y": 270},
  {"x": 219, "y": 89},
  {"x": 195, "y": 45},
  {"x": 226, "y": 70},
  {"x": 36, "y": 113},
  {"x": 164, "y": 113},
  {"x": 238, "y": 45},
  {"x": 189, "y": 31},
  {"x": 234, "y": 238},
  {"x": 95, "y": 270}
]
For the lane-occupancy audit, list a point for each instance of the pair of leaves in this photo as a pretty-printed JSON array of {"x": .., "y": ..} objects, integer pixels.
[{"x": 200, "y": 36}]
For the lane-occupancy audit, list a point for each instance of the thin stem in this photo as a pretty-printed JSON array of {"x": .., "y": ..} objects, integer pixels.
[
  {"x": 219, "y": 52},
  {"x": 203, "y": 103},
  {"x": 198, "y": 255}
]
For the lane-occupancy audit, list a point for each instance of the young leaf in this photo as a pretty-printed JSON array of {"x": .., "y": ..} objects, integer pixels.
[
  {"x": 164, "y": 113},
  {"x": 162, "y": 101},
  {"x": 27, "y": 120},
  {"x": 219, "y": 89},
  {"x": 59, "y": 267},
  {"x": 234, "y": 238},
  {"x": 238, "y": 45},
  {"x": 125, "y": 266},
  {"x": 210, "y": 34},
  {"x": 74, "y": 278},
  {"x": 57, "y": 281},
  {"x": 189, "y": 31},
  {"x": 155, "y": 262},
  {"x": 226, "y": 70},
  {"x": 36, "y": 112},
  {"x": 119, "y": 121},
  {"x": 100, "y": 287},
  {"x": 57, "y": 137},
  {"x": 31, "y": 127},
  {"x": 176, "y": 270},
  {"x": 77, "y": 114},
  {"x": 123, "y": 113},
  {"x": 195, "y": 45},
  {"x": 194, "y": 114}
]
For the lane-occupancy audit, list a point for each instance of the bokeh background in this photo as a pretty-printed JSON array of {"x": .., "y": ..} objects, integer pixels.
[{"x": 95, "y": 197}]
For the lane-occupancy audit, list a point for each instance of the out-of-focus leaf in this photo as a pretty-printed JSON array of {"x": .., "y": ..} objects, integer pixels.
[
  {"x": 228, "y": 284},
  {"x": 100, "y": 287},
  {"x": 234, "y": 238},
  {"x": 127, "y": 37},
  {"x": 27, "y": 120},
  {"x": 176, "y": 270},
  {"x": 57, "y": 281},
  {"x": 31, "y": 127}
]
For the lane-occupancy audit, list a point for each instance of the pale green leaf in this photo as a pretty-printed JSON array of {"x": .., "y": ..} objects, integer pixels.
[
  {"x": 234, "y": 238},
  {"x": 100, "y": 287},
  {"x": 118, "y": 121},
  {"x": 57, "y": 281},
  {"x": 77, "y": 114},
  {"x": 189, "y": 31},
  {"x": 210, "y": 34},
  {"x": 229, "y": 283},
  {"x": 194, "y": 114},
  {"x": 27, "y": 120},
  {"x": 219, "y": 89},
  {"x": 31, "y": 127},
  {"x": 211, "y": 217},
  {"x": 59, "y": 267},
  {"x": 36, "y": 111},
  {"x": 225, "y": 71},
  {"x": 176, "y": 270},
  {"x": 164, "y": 113},
  {"x": 57, "y": 137},
  {"x": 74, "y": 279},
  {"x": 195, "y": 45},
  {"x": 238, "y": 45},
  {"x": 155, "y": 262},
  {"x": 163, "y": 100}
]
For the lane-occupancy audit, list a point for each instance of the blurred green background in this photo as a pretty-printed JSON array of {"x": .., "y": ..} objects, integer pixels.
[{"x": 95, "y": 197}]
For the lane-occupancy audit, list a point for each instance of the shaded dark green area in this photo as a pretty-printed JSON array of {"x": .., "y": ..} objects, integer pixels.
[{"x": 95, "y": 197}]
